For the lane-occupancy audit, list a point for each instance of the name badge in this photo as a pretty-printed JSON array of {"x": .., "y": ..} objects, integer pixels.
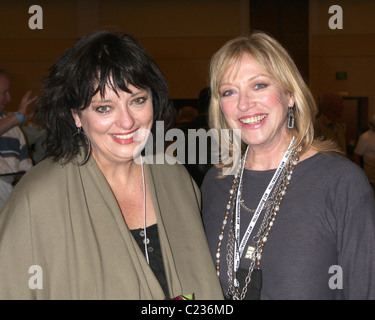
[{"x": 250, "y": 252}]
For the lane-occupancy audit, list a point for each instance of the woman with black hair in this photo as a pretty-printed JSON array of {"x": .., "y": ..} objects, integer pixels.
[{"x": 95, "y": 220}]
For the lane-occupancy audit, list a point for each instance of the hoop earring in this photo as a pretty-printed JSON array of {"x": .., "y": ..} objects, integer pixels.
[
  {"x": 290, "y": 118},
  {"x": 79, "y": 131},
  {"x": 88, "y": 151},
  {"x": 87, "y": 142}
]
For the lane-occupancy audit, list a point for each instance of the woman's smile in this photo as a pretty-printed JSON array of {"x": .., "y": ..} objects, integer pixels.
[
  {"x": 253, "y": 120},
  {"x": 124, "y": 138}
]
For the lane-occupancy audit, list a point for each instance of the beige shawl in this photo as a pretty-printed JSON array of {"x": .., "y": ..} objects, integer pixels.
[{"x": 62, "y": 236}]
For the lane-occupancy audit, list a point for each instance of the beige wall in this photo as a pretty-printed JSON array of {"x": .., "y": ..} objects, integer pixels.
[
  {"x": 181, "y": 35},
  {"x": 351, "y": 49}
]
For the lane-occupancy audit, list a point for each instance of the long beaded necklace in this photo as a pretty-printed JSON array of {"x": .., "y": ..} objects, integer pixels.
[{"x": 278, "y": 185}]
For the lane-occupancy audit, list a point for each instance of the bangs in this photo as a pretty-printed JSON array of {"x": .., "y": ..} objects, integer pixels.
[
  {"x": 110, "y": 64},
  {"x": 231, "y": 55},
  {"x": 115, "y": 80},
  {"x": 222, "y": 64}
]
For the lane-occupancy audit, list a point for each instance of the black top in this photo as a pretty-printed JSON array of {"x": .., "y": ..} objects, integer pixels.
[{"x": 154, "y": 253}]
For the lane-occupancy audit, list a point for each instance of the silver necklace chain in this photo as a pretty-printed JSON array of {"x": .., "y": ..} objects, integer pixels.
[
  {"x": 271, "y": 210},
  {"x": 243, "y": 205}
]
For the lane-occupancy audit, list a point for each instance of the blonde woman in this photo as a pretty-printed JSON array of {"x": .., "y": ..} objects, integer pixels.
[{"x": 296, "y": 219}]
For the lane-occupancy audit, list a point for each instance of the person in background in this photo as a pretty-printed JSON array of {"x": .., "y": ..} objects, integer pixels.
[
  {"x": 294, "y": 219},
  {"x": 95, "y": 220},
  {"x": 186, "y": 115},
  {"x": 22, "y": 114},
  {"x": 14, "y": 153},
  {"x": 200, "y": 162},
  {"x": 364, "y": 152},
  {"x": 329, "y": 123}
]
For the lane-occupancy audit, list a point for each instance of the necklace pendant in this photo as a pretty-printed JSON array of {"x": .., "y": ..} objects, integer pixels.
[{"x": 236, "y": 283}]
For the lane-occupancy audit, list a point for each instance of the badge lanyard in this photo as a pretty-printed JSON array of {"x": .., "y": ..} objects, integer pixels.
[{"x": 239, "y": 251}]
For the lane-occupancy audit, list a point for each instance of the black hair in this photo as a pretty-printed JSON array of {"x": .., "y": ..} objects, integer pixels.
[{"x": 100, "y": 60}]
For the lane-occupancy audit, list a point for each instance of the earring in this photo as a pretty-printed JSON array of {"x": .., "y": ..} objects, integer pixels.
[
  {"x": 87, "y": 142},
  {"x": 87, "y": 153},
  {"x": 290, "y": 118},
  {"x": 79, "y": 131},
  {"x": 231, "y": 136}
]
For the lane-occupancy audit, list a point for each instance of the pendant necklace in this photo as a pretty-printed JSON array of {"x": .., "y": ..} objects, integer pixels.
[
  {"x": 275, "y": 191},
  {"x": 145, "y": 240}
]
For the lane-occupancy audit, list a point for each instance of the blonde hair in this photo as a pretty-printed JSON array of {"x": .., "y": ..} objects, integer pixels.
[{"x": 276, "y": 61}]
